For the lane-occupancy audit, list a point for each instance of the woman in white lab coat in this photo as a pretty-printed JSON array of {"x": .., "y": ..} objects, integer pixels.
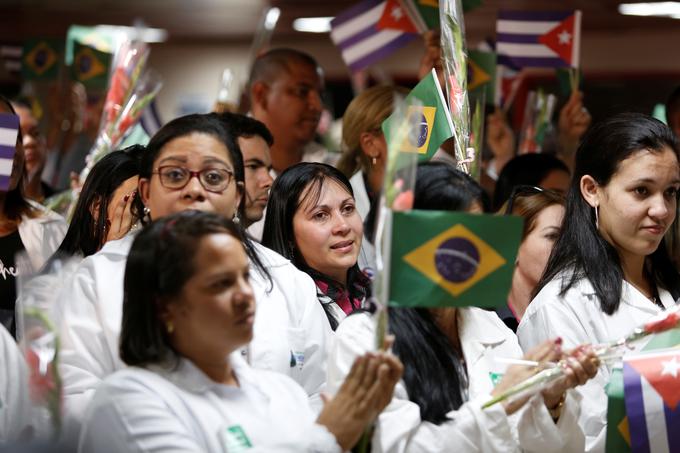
[
  {"x": 188, "y": 310},
  {"x": 191, "y": 163},
  {"x": 25, "y": 226},
  {"x": 450, "y": 367},
  {"x": 610, "y": 270},
  {"x": 313, "y": 221}
]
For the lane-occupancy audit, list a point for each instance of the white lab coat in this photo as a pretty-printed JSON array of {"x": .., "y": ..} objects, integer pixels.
[
  {"x": 471, "y": 429},
  {"x": 291, "y": 331},
  {"x": 41, "y": 235},
  {"x": 15, "y": 404},
  {"x": 578, "y": 319},
  {"x": 172, "y": 410},
  {"x": 363, "y": 204}
]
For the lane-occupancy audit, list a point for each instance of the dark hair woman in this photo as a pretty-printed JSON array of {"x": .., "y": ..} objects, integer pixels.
[
  {"x": 191, "y": 163},
  {"x": 451, "y": 364},
  {"x": 103, "y": 211},
  {"x": 609, "y": 270},
  {"x": 25, "y": 226},
  {"x": 188, "y": 308},
  {"x": 312, "y": 220}
]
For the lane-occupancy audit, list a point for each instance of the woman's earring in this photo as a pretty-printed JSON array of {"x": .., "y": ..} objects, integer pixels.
[
  {"x": 374, "y": 160},
  {"x": 147, "y": 214},
  {"x": 597, "y": 217},
  {"x": 170, "y": 327},
  {"x": 236, "y": 219}
]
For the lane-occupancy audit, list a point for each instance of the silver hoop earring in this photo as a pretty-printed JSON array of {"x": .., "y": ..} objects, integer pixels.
[
  {"x": 597, "y": 217},
  {"x": 236, "y": 219}
]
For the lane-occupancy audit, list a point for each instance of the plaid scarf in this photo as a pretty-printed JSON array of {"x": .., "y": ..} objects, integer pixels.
[{"x": 348, "y": 298}]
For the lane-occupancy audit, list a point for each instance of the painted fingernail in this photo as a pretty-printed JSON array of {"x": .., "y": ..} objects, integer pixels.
[
  {"x": 126, "y": 197},
  {"x": 558, "y": 340}
]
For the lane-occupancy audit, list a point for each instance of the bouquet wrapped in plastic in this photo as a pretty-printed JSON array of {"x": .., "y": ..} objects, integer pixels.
[
  {"x": 131, "y": 89},
  {"x": 536, "y": 126},
  {"x": 607, "y": 353},
  {"x": 38, "y": 335},
  {"x": 455, "y": 73}
]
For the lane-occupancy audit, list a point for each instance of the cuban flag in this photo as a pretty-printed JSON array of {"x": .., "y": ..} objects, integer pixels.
[
  {"x": 9, "y": 130},
  {"x": 539, "y": 39},
  {"x": 360, "y": 37},
  {"x": 652, "y": 395}
]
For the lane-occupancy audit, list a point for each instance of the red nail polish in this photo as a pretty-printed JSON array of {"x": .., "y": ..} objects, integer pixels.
[
  {"x": 126, "y": 197},
  {"x": 558, "y": 340}
]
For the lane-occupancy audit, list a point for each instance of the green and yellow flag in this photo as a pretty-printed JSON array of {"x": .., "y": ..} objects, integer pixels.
[
  {"x": 90, "y": 66},
  {"x": 41, "y": 59},
  {"x": 482, "y": 74},
  {"x": 443, "y": 258},
  {"x": 428, "y": 120}
]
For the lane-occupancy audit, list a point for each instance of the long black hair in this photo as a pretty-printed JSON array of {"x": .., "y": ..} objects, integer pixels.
[
  {"x": 580, "y": 249},
  {"x": 160, "y": 262},
  {"x": 285, "y": 198},
  {"x": 433, "y": 370},
  {"x": 87, "y": 231},
  {"x": 209, "y": 124}
]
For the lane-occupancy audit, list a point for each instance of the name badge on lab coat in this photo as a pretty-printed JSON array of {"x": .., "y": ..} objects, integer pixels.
[{"x": 234, "y": 439}]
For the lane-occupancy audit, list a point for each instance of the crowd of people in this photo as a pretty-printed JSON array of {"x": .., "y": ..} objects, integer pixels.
[{"x": 222, "y": 294}]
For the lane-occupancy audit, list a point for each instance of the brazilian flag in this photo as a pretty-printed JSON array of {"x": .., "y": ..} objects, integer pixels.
[
  {"x": 482, "y": 74},
  {"x": 428, "y": 120},
  {"x": 444, "y": 258},
  {"x": 90, "y": 66},
  {"x": 40, "y": 60}
]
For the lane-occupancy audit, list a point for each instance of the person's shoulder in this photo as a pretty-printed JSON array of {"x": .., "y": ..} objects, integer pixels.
[{"x": 270, "y": 258}]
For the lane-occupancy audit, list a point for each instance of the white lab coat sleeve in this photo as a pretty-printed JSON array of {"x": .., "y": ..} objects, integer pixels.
[
  {"x": 399, "y": 427},
  {"x": 15, "y": 404},
  {"x": 539, "y": 433},
  {"x": 123, "y": 418},
  {"x": 318, "y": 337},
  {"x": 85, "y": 357},
  {"x": 554, "y": 318}
]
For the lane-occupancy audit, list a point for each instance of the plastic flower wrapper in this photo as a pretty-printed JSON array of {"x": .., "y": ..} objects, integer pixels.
[
  {"x": 455, "y": 73},
  {"x": 229, "y": 93},
  {"x": 38, "y": 338},
  {"x": 474, "y": 151},
  {"x": 537, "y": 124},
  {"x": 131, "y": 89},
  {"x": 606, "y": 352}
]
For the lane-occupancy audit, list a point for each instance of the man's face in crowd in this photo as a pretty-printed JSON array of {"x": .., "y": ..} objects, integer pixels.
[{"x": 257, "y": 164}]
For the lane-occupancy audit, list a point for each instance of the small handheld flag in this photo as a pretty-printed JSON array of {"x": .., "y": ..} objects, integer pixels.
[
  {"x": 40, "y": 59},
  {"x": 482, "y": 74},
  {"x": 539, "y": 39},
  {"x": 429, "y": 121},
  {"x": 9, "y": 131},
  {"x": 90, "y": 66},
  {"x": 361, "y": 42},
  {"x": 442, "y": 258}
]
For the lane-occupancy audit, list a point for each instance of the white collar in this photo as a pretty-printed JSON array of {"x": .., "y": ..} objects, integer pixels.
[{"x": 477, "y": 332}]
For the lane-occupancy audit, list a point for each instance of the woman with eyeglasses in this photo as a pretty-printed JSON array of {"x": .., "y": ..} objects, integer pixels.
[
  {"x": 610, "y": 270},
  {"x": 542, "y": 211},
  {"x": 188, "y": 310},
  {"x": 450, "y": 364},
  {"x": 191, "y": 163}
]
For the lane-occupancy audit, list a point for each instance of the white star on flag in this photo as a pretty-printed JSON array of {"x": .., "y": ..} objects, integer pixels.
[
  {"x": 564, "y": 37},
  {"x": 397, "y": 13},
  {"x": 671, "y": 367}
]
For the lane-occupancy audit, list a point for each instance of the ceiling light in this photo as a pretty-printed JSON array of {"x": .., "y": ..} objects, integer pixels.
[
  {"x": 659, "y": 9},
  {"x": 313, "y": 24}
]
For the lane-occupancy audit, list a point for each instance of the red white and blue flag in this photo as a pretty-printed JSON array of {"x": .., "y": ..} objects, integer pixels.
[
  {"x": 370, "y": 31},
  {"x": 9, "y": 130},
  {"x": 652, "y": 396},
  {"x": 539, "y": 39}
]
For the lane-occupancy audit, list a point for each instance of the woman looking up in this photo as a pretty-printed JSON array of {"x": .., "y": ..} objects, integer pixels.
[
  {"x": 312, "y": 220},
  {"x": 609, "y": 270}
]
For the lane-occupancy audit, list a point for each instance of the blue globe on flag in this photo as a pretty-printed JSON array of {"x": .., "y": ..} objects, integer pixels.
[
  {"x": 457, "y": 259},
  {"x": 419, "y": 128}
]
